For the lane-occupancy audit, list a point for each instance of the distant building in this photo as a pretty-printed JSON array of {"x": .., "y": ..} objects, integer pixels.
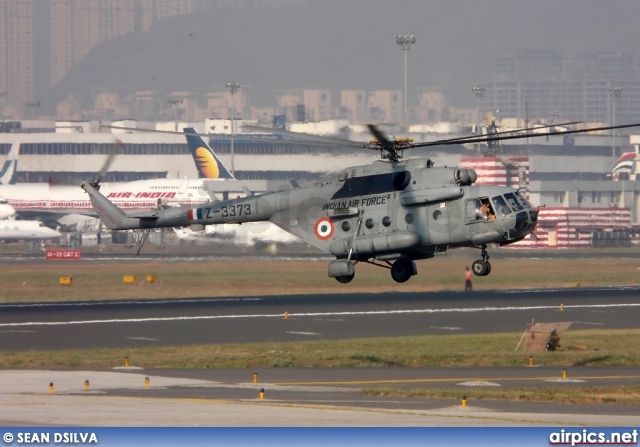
[
  {"x": 79, "y": 25},
  {"x": 353, "y": 106},
  {"x": 16, "y": 54},
  {"x": 593, "y": 86},
  {"x": 385, "y": 106},
  {"x": 305, "y": 105}
]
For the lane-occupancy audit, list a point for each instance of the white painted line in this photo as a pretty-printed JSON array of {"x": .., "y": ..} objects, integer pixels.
[
  {"x": 478, "y": 383},
  {"x": 303, "y": 333},
  {"x": 142, "y": 338},
  {"x": 312, "y": 314},
  {"x": 448, "y": 328},
  {"x": 565, "y": 380}
]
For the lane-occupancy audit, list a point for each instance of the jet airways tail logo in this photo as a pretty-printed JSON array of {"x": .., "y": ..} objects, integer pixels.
[{"x": 206, "y": 163}]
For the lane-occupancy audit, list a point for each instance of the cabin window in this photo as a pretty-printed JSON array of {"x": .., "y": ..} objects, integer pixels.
[{"x": 473, "y": 210}]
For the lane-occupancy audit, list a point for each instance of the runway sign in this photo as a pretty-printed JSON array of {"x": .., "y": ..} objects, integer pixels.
[{"x": 59, "y": 254}]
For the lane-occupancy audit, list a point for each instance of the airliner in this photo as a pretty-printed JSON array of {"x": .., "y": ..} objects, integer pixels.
[
  {"x": 247, "y": 234},
  {"x": 36, "y": 199},
  {"x": 6, "y": 210},
  {"x": 13, "y": 230}
]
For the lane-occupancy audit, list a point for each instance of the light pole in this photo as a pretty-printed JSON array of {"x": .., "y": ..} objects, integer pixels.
[
  {"x": 615, "y": 92},
  {"x": 31, "y": 105},
  {"x": 478, "y": 90},
  {"x": 405, "y": 42},
  {"x": 174, "y": 102},
  {"x": 233, "y": 87}
]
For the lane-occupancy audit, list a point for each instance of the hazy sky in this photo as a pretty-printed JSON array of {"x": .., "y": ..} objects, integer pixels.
[{"x": 348, "y": 44}]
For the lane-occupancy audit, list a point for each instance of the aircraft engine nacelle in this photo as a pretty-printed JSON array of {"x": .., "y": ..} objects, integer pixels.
[
  {"x": 431, "y": 195},
  {"x": 465, "y": 177},
  {"x": 439, "y": 177},
  {"x": 375, "y": 243}
]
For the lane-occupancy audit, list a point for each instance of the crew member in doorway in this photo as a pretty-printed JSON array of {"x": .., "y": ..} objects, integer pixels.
[
  {"x": 486, "y": 209},
  {"x": 467, "y": 279}
]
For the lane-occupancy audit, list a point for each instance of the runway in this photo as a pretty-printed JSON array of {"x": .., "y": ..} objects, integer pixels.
[
  {"x": 300, "y": 396},
  {"x": 193, "y": 321}
]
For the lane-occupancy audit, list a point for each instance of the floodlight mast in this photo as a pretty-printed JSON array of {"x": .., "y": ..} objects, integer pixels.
[
  {"x": 479, "y": 91},
  {"x": 405, "y": 41},
  {"x": 615, "y": 93},
  {"x": 233, "y": 87}
]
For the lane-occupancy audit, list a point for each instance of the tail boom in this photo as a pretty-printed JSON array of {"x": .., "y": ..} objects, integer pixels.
[{"x": 246, "y": 209}]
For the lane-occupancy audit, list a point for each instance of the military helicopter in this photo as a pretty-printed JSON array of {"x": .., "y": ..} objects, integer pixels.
[{"x": 389, "y": 213}]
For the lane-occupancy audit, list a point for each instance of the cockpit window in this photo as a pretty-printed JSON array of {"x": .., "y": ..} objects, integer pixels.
[
  {"x": 501, "y": 206},
  {"x": 523, "y": 200},
  {"x": 479, "y": 209},
  {"x": 513, "y": 203}
]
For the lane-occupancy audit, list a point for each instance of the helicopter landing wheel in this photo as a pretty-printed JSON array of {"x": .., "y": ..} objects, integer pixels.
[
  {"x": 402, "y": 270},
  {"x": 345, "y": 279},
  {"x": 480, "y": 268}
]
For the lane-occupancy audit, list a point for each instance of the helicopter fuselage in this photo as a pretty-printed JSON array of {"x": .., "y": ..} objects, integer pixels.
[{"x": 386, "y": 211}]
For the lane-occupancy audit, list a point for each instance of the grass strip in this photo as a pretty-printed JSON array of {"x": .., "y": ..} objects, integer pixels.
[
  {"x": 91, "y": 281},
  {"x": 620, "y": 395},
  {"x": 602, "y": 348}
]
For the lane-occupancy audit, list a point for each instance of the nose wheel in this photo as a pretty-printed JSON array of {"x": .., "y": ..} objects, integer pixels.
[{"x": 482, "y": 267}]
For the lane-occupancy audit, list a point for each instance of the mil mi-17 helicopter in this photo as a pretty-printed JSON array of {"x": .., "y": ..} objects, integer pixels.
[{"x": 389, "y": 213}]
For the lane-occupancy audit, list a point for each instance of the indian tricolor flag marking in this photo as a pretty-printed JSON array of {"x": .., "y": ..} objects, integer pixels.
[{"x": 194, "y": 214}]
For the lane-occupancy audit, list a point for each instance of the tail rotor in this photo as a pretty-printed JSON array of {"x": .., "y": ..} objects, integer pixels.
[{"x": 113, "y": 152}]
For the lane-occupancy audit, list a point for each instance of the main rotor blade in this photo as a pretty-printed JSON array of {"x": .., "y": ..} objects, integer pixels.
[
  {"x": 462, "y": 139},
  {"x": 137, "y": 129},
  {"x": 486, "y": 139},
  {"x": 310, "y": 140},
  {"x": 319, "y": 138}
]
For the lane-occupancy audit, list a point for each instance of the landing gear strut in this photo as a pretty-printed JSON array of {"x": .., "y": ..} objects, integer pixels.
[
  {"x": 482, "y": 267},
  {"x": 145, "y": 234}
]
